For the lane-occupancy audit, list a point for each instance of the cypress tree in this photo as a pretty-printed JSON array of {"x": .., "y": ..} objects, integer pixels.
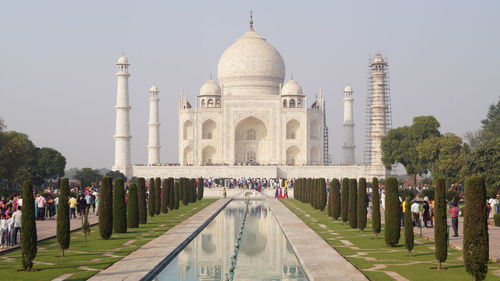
[
  {"x": 307, "y": 190},
  {"x": 408, "y": 221},
  {"x": 200, "y": 189},
  {"x": 353, "y": 205},
  {"x": 336, "y": 208},
  {"x": 181, "y": 189},
  {"x": 164, "y": 195},
  {"x": 119, "y": 208},
  {"x": 157, "y": 196},
  {"x": 476, "y": 240},
  {"x": 133, "y": 207},
  {"x": 376, "y": 223},
  {"x": 392, "y": 227},
  {"x": 176, "y": 195},
  {"x": 85, "y": 224},
  {"x": 106, "y": 209},
  {"x": 141, "y": 200},
  {"x": 151, "y": 199},
  {"x": 344, "y": 200},
  {"x": 362, "y": 204},
  {"x": 28, "y": 234},
  {"x": 185, "y": 191},
  {"x": 440, "y": 223},
  {"x": 192, "y": 194},
  {"x": 171, "y": 202},
  {"x": 63, "y": 230},
  {"x": 322, "y": 193},
  {"x": 297, "y": 191}
]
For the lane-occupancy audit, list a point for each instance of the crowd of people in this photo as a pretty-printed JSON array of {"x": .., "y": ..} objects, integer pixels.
[{"x": 10, "y": 220}]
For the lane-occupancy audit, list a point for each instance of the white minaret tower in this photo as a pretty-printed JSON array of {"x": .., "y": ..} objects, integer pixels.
[
  {"x": 122, "y": 134},
  {"x": 348, "y": 124},
  {"x": 154, "y": 127},
  {"x": 379, "y": 113}
]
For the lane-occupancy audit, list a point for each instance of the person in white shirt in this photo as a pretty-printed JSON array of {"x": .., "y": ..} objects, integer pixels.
[
  {"x": 4, "y": 228},
  {"x": 494, "y": 203},
  {"x": 16, "y": 217},
  {"x": 415, "y": 210}
]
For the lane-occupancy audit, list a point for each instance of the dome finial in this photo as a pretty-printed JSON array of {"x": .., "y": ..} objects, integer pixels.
[{"x": 251, "y": 20}]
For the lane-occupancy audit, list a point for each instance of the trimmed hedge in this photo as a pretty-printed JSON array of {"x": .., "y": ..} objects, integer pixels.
[
  {"x": 362, "y": 211},
  {"x": 106, "y": 208},
  {"x": 176, "y": 195},
  {"x": 408, "y": 222},
  {"x": 119, "y": 208},
  {"x": 63, "y": 233},
  {"x": 141, "y": 200},
  {"x": 29, "y": 239},
  {"x": 336, "y": 207},
  {"x": 344, "y": 200},
  {"x": 440, "y": 223},
  {"x": 353, "y": 203},
  {"x": 376, "y": 223},
  {"x": 321, "y": 194},
  {"x": 132, "y": 207},
  {"x": 392, "y": 222},
  {"x": 164, "y": 195},
  {"x": 157, "y": 196},
  {"x": 476, "y": 239},
  {"x": 151, "y": 199},
  {"x": 201, "y": 189}
]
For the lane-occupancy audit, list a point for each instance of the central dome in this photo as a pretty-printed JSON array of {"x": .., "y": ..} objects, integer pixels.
[{"x": 251, "y": 62}]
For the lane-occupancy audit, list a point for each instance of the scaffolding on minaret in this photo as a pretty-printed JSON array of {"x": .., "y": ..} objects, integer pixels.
[
  {"x": 326, "y": 154},
  {"x": 378, "y": 107}
]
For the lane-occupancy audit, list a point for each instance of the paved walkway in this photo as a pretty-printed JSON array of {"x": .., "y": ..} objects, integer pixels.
[
  {"x": 320, "y": 261},
  {"x": 47, "y": 229},
  {"x": 138, "y": 264}
]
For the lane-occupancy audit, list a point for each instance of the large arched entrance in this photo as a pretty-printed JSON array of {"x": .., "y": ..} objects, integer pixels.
[
  {"x": 251, "y": 142},
  {"x": 292, "y": 153}
]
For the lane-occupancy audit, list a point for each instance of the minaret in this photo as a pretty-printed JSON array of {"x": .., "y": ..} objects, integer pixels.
[
  {"x": 154, "y": 127},
  {"x": 122, "y": 134},
  {"x": 348, "y": 124},
  {"x": 379, "y": 111}
]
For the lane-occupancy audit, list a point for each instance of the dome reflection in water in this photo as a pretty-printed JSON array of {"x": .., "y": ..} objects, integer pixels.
[{"x": 264, "y": 254}]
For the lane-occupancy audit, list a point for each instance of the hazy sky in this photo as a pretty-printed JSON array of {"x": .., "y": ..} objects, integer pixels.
[{"x": 57, "y": 63}]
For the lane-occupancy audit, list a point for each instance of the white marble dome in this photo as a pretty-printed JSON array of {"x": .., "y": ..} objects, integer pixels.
[
  {"x": 348, "y": 88},
  {"x": 251, "y": 61},
  {"x": 122, "y": 60},
  {"x": 292, "y": 87},
  {"x": 210, "y": 88},
  {"x": 154, "y": 88},
  {"x": 378, "y": 59}
]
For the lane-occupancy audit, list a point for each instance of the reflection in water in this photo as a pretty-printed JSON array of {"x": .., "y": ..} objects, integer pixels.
[{"x": 265, "y": 254}]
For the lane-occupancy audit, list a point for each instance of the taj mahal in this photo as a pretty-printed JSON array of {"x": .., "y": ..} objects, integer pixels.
[{"x": 252, "y": 123}]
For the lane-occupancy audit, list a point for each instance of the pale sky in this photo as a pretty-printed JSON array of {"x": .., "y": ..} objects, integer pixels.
[{"x": 57, "y": 63}]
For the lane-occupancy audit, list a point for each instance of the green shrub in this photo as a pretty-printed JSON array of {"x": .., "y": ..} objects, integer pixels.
[
  {"x": 406, "y": 192},
  {"x": 164, "y": 195},
  {"x": 336, "y": 208},
  {"x": 119, "y": 208},
  {"x": 476, "y": 243},
  {"x": 106, "y": 209},
  {"x": 176, "y": 195},
  {"x": 322, "y": 194},
  {"x": 171, "y": 202},
  {"x": 330, "y": 200},
  {"x": 344, "y": 200},
  {"x": 353, "y": 203},
  {"x": 408, "y": 222},
  {"x": 185, "y": 191},
  {"x": 133, "y": 207},
  {"x": 157, "y": 196},
  {"x": 141, "y": 200},
  {"x": 63, "y": 226},
  {"x": 429, "y": 192},
  {"x": 376, "y": 223},
  {"x": 192, "y": 193},
  {"x": 201, "y": 188},
  {"x": 28, "y": 234},
  {"x": 392, "y": 227},
  {"x": 151, "y": 199},
  {"x": 440, "y": 223},
  {"x": 362, "y": 212}
]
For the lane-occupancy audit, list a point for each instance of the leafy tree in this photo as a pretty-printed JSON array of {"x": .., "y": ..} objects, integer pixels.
[
  {"x": 408, "y": 221},
  {"x": 119, "y": 208},
  {"x": 392, "y": 228},
  {"x": 400, "y": 145},
  {"x": 141, "y": 201},
  {"x": 353, "y": 203},
  {"x": 491, "y": 124},
  {"x": 28, "y": 234},
  {"x": 50, "y": 163},
  {"x": 87, "y": 176},
  {"x": 362, "y": 204},
  {"x": 17, "y": 159},
  {"x": 476, "y": 243},
  {"x": 429, "y": 192},
  {"x": 63, "y": 224},
  {"x": 335, "y": 190},
  {"x": 376, "y": 223},
  {"x": 133, "y": 207},
  {"x": 151, "y": 199},
  {"x": 344, "y": 200},
  {"x": 116, "y": 174},
  {"x": 106, "y": 209},
  {"x": 164, "y": 195},
  {"x": 157, "y": 196},
  {"x": 443, "y": 155},
  {"x": 440, "y": 223},
  {"x": 176, "y": 195}
]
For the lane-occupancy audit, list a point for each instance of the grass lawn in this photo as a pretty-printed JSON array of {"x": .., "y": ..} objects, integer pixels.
[
  {"x": 378, "y": 261},
  {"x": 83, "y": 261}
]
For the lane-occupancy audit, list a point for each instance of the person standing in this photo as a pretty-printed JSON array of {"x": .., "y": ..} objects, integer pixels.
[
  {"x": 415, "y": 210},
  {"x": 17, "y": 216},
  {"x": 4, "y": 230},
  {"x": 72, "y": 207},
  {"x": 454, "y": 210},
  {"x": 427, "y": 214},
  {"x": 41, "y": 202}
]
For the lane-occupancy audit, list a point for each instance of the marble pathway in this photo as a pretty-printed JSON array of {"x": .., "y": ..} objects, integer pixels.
[
  {"x": 139, "y": 263},
  {"x": 319, "y": 260}
]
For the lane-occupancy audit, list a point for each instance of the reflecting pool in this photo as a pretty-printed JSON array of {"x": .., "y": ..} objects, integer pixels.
[{"x": 264, "y": 252}]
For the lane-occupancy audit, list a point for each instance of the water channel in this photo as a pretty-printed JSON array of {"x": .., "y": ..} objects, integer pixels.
[{"x": 262, "y": 250}]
